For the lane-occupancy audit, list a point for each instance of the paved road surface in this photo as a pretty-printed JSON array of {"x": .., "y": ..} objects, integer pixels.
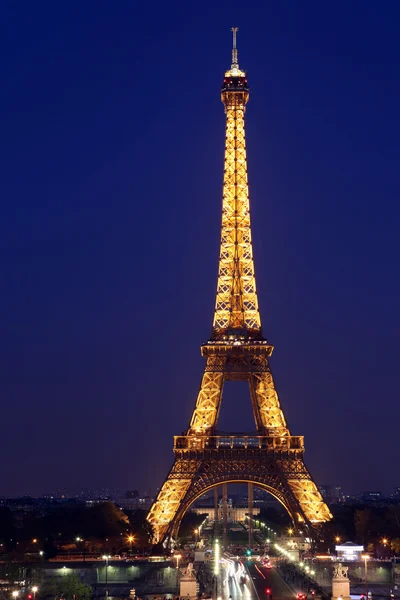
[
  {"x": 263, "y": 579},
  {"x": 249, "y": 581}
]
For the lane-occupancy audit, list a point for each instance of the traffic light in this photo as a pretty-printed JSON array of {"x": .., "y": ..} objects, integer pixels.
[{"x": 248, "y": 552}]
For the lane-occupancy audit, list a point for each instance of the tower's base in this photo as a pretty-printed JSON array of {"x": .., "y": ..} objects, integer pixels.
[{"x": 273, "y": 464}]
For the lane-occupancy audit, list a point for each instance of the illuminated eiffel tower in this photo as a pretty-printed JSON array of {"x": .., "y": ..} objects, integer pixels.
[{"x": 237, "y": 350}]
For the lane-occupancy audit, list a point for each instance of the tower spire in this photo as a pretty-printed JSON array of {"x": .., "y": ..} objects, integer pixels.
[{"x": 234, "y": 49}]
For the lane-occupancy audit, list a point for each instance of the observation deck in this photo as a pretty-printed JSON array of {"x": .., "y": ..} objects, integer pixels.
[
  {"x": 273, "y": 445},
  {"x": 236, "y": 342},
  {"x": 232, "y": 347}
]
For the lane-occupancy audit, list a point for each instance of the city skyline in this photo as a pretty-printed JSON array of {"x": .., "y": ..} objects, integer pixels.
[{"x": 112, "y": 175}]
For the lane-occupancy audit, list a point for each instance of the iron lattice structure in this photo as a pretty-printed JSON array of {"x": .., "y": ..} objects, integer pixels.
[{"x": 237, "y": 350}]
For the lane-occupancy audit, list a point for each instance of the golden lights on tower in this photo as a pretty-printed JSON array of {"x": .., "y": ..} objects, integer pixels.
[{"x": 236, "y": 350}]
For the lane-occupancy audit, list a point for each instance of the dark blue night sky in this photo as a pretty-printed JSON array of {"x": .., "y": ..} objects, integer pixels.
[{"x": 112, "y": 136}]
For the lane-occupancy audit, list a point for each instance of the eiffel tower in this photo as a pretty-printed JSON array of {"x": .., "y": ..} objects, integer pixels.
[{"x": 237, "y": 350}]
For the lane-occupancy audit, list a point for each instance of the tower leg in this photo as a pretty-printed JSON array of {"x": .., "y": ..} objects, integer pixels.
[
  {"x": 266, "y": 402},
  {"x": 225, "y": 513},
  {"x": 251, "y": 502}
]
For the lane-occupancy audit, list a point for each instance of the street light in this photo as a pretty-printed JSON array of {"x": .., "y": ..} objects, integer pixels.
[
  {"x": 177, "y": 556},
  {"x": 366, "y": 557},
  {"x": 130, "y": 540},
  {"x": 290, "y": 531},
  {"x": 34, "y": 590},
  {"x": 337, "y": 539},
  {"x": 106, "y": 557}
]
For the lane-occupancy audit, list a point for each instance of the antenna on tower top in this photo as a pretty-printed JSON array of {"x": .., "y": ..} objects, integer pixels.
[{"x": 234, "y": 49}]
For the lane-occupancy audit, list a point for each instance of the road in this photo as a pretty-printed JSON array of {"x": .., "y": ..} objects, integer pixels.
[
  {"x": 263, "y": 579},
  {"x": 250, "y": 580}
]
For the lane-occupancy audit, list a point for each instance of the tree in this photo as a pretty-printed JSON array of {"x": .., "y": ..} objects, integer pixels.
[
  {"x": 189, "y": 523},
  {"x": 105, "y": 520},
  {"x": 7, "y": 528},
  {"x": 363, "y": 520},
  {"x": 279, "y": 519},
  {"x": 67, "y": 587},
  {"x": 393, "y": 520},
  {"x": 140, "y": 528}
]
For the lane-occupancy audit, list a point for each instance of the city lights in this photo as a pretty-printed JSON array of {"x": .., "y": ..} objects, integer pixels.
[{"x": 216, "y": 557}]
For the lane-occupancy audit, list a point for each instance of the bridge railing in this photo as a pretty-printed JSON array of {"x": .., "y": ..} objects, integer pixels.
[{"x": 216, "y": 442}]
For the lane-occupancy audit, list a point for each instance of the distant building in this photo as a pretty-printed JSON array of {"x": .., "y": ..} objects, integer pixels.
[
  {"x": 132, "y": 503},
  {"x": 332, "y": 494},
  {"x": 235, "y": 514},
  {"x": 372, "y": 496},
  {"x": 349, "y": 551},
  {"x": 101, "y": 494},
  {"x": 396, "y": 493},
  {"x": 132, "y": 494}
]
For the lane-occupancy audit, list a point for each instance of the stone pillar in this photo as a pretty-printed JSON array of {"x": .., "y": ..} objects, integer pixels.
[
  {"x": 340, "y": 583},
  {"x": 188, "y": 587}
]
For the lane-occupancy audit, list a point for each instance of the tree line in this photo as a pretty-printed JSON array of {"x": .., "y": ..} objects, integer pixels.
[
  {"x": 377, "y": 528},
  {"x": 74, "y": 526}
]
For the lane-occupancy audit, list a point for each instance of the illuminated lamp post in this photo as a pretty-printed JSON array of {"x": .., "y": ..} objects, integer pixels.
[
  {"x": 177, "y": 556},
  {"x": 106, "y": 557},
  {"x": 78, "y": 540},
  {"x": 34, "y": 590},
  {"x": 366, "y": 557},
  {"x": 216, "y": 565},
  {"x": 130, "y": 540},
  {"x": 384, "y": 543}
]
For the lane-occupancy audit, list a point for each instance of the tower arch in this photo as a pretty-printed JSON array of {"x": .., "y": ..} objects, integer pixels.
[{"x": 185, "y": 507}]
